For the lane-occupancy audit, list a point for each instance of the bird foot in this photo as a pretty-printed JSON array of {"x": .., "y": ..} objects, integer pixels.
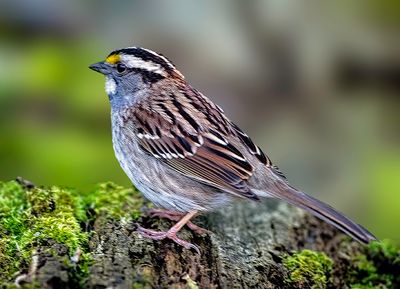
[
  {"x": 170, "y": 234},
  {"x": 176, "y": 216}
]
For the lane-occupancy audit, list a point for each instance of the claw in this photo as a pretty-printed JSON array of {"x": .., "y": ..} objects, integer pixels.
[
  {"x": 187, "y": 245},
  {"x": 198, "y": 230},
  {"x": 170, "y": 234}
]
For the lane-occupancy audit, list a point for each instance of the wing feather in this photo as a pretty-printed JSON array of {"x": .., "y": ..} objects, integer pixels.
[{"x": 200, "y": 152}]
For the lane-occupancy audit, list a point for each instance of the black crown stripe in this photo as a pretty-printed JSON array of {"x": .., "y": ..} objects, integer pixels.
[{"x": 145, "y": 56}]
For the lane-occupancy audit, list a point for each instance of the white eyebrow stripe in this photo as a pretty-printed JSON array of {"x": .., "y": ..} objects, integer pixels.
[
  {"x": 166, "y": 61},
  {"x": 160, "y": 56},
  {"x": 136, "y": 62}
]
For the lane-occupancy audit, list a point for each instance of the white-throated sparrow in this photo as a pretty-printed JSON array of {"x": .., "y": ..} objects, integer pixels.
[{"x": 183, "y": 153}]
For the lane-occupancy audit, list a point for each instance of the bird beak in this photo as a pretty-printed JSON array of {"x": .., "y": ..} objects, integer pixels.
[{"x": 102, "y": 67}]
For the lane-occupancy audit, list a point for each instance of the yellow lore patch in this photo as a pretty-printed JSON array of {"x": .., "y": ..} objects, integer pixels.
[{"x": 114, "y": 58}]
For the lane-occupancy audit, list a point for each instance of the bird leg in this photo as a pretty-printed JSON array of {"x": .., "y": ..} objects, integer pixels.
[
  {"x": 175, "y": 216},
  {"x": 171, "y": 233}
]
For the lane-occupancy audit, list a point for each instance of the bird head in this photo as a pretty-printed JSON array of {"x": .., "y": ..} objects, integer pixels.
[{"x": 132, "y": 70}]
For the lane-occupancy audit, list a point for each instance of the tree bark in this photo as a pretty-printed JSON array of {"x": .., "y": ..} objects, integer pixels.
[
  {"x": 242, "y": 250},
  {"x": 249, "y": 245}
]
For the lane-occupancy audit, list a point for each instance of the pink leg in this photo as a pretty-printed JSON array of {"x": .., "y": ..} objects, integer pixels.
[
  {"x": 176, "y": 216},
  {"x": 171, "y": 233}
]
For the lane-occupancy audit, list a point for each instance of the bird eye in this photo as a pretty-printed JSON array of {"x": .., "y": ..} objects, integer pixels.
[{"x": 121, "y": 67}]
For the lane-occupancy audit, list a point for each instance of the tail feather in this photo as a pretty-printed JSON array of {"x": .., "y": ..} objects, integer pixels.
[{"x": 325, "y": 212}]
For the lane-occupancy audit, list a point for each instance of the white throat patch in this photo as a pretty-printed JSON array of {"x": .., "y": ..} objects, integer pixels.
[{"x": 111, "y": 86}]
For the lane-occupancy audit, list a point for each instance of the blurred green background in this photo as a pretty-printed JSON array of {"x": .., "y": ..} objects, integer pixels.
[{"x": 315, "y": 83}]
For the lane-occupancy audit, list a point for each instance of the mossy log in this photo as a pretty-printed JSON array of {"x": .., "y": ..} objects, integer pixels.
[{"x": 62, "y": 238}]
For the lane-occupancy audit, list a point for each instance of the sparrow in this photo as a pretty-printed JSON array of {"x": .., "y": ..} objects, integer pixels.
[{"x": 184, "y": 154}]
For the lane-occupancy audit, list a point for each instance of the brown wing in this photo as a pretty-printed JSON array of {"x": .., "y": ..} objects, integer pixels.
[
  {"x": 256, "y": 151},
  {"x": 189, "y": 142}
]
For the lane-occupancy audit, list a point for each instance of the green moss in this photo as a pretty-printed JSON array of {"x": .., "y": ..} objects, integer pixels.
[
  {"x": 30, "y": 217},
  {"x": 376, "y": 266},
  {"x": 385, "y": 249},
  {"x": 13, "y": 213},
  {"x": 308, "y": 268},
  {"x": 13, "y": 207},
  {"x": 113, "y": 201},
  {"x": 79, "y": 272}
]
